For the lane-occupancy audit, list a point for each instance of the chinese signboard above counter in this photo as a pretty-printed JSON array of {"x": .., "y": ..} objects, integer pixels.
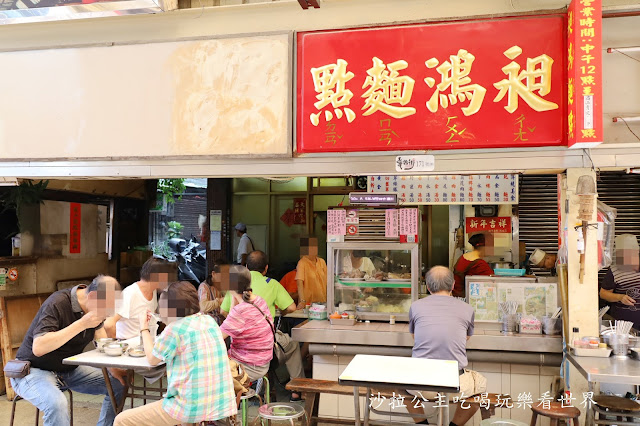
[
  {"x": 493, "y": 225},
  {"x": 480, "y": 84},
  {"x": 449, "y": 189},
  {"x": 585, "y": 73}
]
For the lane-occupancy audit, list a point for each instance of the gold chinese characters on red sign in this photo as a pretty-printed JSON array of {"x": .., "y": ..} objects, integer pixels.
[
  {"x": 493, "y": 225},
  {"x": 584, "y": 54},
  {"x": 446, "y": 86}
]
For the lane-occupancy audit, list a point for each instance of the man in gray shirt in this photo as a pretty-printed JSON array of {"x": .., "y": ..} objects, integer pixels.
[{"x": 441, "y": 326}]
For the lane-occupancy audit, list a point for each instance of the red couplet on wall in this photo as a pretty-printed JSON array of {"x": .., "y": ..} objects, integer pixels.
[
  {"x": 75, "y": 215},
  {"x": 585, "y": 73},
  {"x": 479, "y": 84}
]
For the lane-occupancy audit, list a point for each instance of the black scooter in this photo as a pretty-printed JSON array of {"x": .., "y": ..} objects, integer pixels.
[{"x": 192, "y": 264}]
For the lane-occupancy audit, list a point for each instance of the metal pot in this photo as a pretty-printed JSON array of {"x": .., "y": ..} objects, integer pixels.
[
  {"x": 115, "y": 349},
  {"x": 100, "y": 343},
  {"x": 501, "y": 265}
]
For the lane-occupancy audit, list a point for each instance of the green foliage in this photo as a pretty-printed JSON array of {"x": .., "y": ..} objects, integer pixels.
[
  {"x": 27, "y": 193},
  {"x": 172, "y": 188},
  {"x": 161, "y": 249},
  {"x": 175, "y": 229}
]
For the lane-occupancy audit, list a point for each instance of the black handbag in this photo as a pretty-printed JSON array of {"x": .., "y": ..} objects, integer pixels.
[{"x": 279, "y": 356}]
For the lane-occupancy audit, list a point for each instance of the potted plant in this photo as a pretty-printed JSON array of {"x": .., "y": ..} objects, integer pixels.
[
  {"x": 17, "y": 198},
  {"x": 174, "y": 229}
]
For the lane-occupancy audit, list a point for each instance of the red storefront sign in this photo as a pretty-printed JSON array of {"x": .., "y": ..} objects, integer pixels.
[
  {"x": 585, "y": 73},
  {"x": 480, "y": 84},
  {"x": 75, "y": 220},
  {"x": 494, "y": 225}
]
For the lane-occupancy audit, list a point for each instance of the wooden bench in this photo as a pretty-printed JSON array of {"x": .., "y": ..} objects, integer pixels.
[{"x": 312, "y": 388}]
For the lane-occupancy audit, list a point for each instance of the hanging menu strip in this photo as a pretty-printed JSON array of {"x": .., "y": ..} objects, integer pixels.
[
  {"x": 449, "y": 189},
  {"x": 391, "y": 223},
  {"x": 336, "y": 222},
  {"x": 408, "y": 221}
]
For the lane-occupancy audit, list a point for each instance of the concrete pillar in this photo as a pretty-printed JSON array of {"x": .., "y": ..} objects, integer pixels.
[{"x": 583, "y": 295}]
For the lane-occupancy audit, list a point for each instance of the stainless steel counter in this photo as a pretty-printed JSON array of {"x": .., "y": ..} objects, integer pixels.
[
  {"x": 625, "y": 371},
  {"x": 485, "y": 338}
]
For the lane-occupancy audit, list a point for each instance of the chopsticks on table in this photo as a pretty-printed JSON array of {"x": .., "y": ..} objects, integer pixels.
[
  {"x": 622, "y": 327},
  {"x": 603, "y": 311},
  {"x": 508, "y": 308},
  {"x": 618, "y": 327}
]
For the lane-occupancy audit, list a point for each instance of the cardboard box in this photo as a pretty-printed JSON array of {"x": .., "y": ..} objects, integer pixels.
[{"x": 138, "y": 257}]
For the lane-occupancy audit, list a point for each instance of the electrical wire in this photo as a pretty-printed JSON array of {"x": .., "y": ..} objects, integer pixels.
[
  {"x": 627, "y": 124},
  {"x": 586, "y": 151},
  {"x": 628, "y": 56},
  {"x": 276, "y": 179}
]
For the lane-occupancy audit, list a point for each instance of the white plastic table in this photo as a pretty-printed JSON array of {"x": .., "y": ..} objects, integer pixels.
[
  {"x": 419, "y": 374},
  {"x": 103, "y": 361}
]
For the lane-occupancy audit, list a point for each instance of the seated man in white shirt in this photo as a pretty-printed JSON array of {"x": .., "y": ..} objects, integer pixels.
[{"x": 139, "y": 297}]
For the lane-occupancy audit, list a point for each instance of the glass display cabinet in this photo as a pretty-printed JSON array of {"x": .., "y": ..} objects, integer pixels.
[{"x": 372, "y": 280}]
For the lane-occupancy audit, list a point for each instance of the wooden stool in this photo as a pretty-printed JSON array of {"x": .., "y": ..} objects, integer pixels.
[
  {"x": 555, "y": 412},
  {"x": 609, "y": 405},
  {"x": 18, "y": 398}
]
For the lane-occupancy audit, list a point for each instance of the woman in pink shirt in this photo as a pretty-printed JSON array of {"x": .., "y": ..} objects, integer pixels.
[{"x": 250, "y": 326}]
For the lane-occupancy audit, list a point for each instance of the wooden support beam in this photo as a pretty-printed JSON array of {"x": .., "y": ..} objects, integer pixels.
[
  {"x": 5, "y": 343},
  {"x": 306, "y": 3}
]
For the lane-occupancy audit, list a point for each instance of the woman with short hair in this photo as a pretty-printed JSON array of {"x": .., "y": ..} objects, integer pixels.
[{"x": 200, "y": 386}]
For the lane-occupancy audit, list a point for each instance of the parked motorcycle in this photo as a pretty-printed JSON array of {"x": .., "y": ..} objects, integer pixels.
[{"x": 192, "y": 263}]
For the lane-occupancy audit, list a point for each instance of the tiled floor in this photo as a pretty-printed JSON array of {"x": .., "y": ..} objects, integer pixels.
[{"x": 86, "y": 409}]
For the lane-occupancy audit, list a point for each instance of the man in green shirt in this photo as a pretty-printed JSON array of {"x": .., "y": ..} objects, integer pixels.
[
  {"x": 269, "y": 289},
  {"x": 275, "y": 295}
]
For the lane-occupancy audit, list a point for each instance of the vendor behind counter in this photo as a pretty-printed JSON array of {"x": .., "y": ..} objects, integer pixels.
[
  {"x": 621, "y": 286},
  {"x": 471, "y": 263}
]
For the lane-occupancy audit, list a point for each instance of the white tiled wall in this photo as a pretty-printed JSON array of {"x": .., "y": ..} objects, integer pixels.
[{"x": 512, "y": 379}]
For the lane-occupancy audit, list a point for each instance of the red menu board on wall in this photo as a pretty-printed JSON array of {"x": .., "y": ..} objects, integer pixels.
[
  {"x": 584, "y": 62},
  {"x": 479, "y": 84},
  {"x": 75, "y": 219}
]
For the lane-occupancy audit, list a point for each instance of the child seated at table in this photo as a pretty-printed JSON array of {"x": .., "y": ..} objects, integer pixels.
[{"x": 200, "y": 387}]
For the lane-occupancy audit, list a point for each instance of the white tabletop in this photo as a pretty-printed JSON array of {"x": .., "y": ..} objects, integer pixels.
[
  {"x": 99, "y": 359},
  {"x": 408, "y": 373}
]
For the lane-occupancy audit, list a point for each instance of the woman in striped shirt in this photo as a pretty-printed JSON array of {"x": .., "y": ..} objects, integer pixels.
[{"x": 621, "y": 286}]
